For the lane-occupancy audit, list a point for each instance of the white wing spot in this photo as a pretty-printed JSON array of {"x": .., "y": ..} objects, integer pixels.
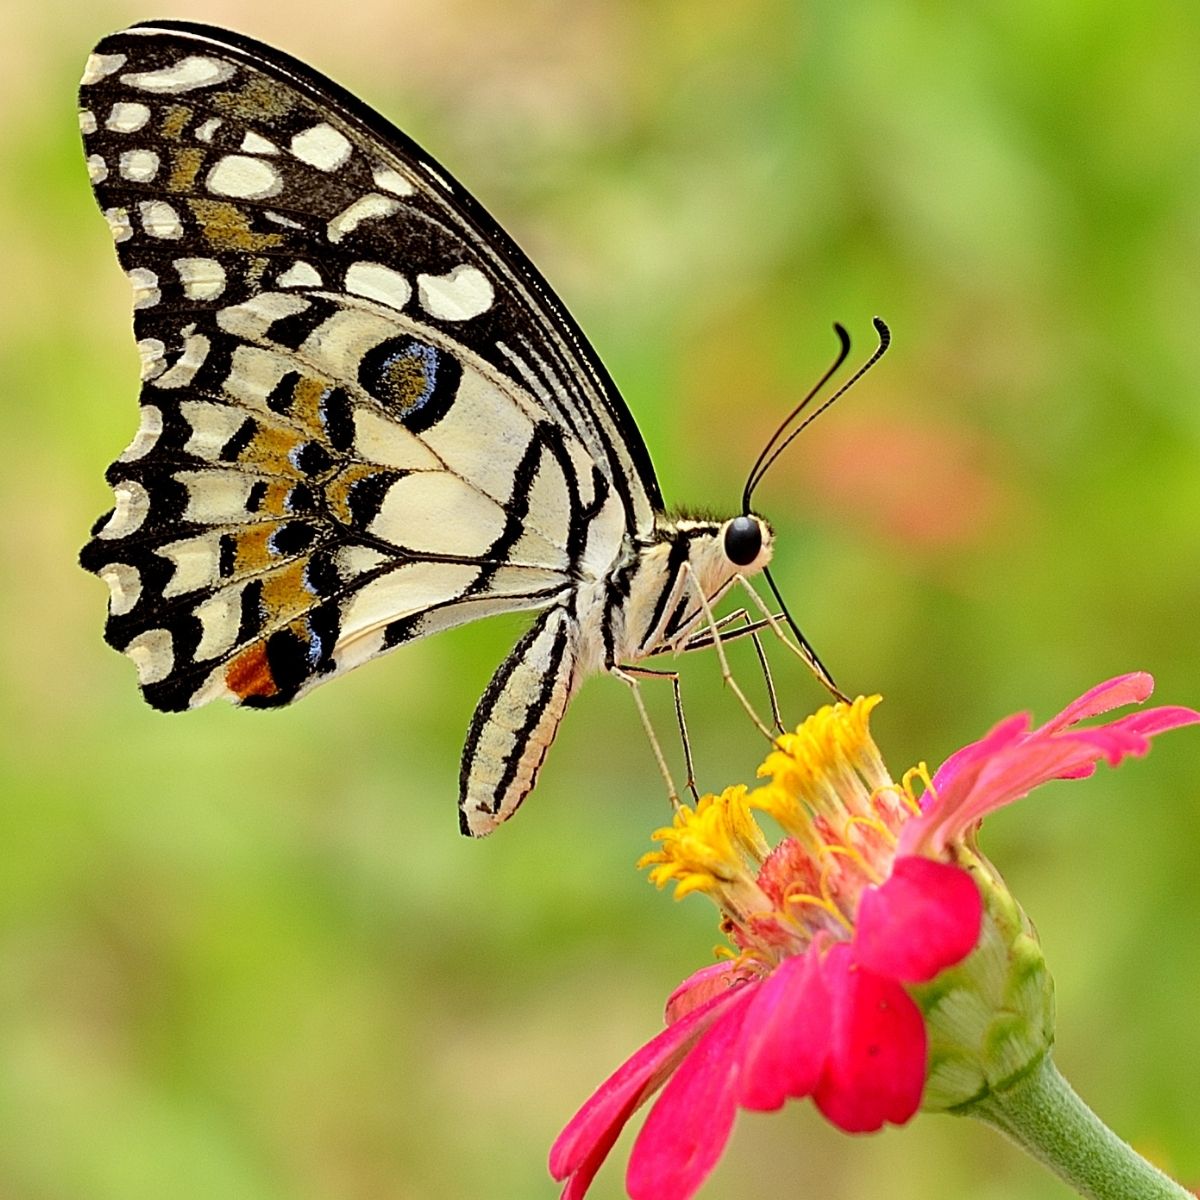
[
  {"x": 322, "y": 147},
  {"x": 212, "y": 426},
  {"x": 246, "y": 178},
  {"x": 151, "y": 351},
  {"x": 202, "y": 278},
  {"x": 195, "y": 351},
  {"x": 145, "y": 287},
  {"x": 124, "y": 586},
  {"x": 278, "y": 219},
  {"x": 255, "y": 143},
  {"x": 267, "y": 307},
  {"x": 195, "y": 563},
  {"x": 160, "y": 220},
  {"x": 370, "y": 207},
  {"x": 220, "y": 617},
  {"x": 153, "y": 653},
  {"x": 206, "y": 129},
  {"x": 118, "y": 223},
  {"x": 87, "y": 121},
  {"x": 100, "y": 65},
  {"x": 127, "y": 117},
  {"x": 459, "y": 295},
  {"x": 392, "y": 181},
  {"x": 299, "y": 274},
  {"x": 195, "y": 71},
  {"x": 97, "y": 168},
  {"x": 377, "y": 282},
  {"x": 251, "y": 319},
  {"x": 149, "y": 429},
  {"x": 215, "y": 497},
  {"x": 139, "y": 166},
  {"x": 132, "y": 508},
  {"x": 253, "y": 374}
]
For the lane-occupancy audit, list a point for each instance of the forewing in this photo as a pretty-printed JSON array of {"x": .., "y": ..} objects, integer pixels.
[{"x": 364, "y": 415}]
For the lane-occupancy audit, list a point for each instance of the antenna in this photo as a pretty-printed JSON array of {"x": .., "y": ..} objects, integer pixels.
[
  {"x": 755, "y": 474},
  {"x": 775, "y": 447},
  {"x": 769, "y": 455}
]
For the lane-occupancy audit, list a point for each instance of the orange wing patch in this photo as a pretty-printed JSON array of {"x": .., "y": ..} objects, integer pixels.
[{"x": 250, "y": 674}]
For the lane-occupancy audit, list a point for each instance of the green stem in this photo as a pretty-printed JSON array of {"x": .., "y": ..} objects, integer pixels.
[{"x": 1044, "y": 1116}]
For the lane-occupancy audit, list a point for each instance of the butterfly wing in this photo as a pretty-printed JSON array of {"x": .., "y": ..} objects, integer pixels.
[
  {"x": 364, "y": 414},
  {"x": 516, "y": 721}
]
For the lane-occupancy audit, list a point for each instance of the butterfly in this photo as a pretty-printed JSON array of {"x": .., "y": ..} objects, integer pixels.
[{"x": 365, "y": 416}]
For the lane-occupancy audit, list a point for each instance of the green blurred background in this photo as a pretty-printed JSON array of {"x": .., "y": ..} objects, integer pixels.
[{"x": 248, "y": 955}]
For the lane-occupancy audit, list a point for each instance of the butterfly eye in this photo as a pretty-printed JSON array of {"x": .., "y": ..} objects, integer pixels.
[{"x": 743, "y": 540}]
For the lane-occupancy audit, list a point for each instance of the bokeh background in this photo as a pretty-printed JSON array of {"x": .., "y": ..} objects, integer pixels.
[{"x": 248, "y": 955}]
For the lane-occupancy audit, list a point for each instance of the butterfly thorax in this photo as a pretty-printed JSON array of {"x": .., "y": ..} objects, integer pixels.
[{"x": 652, "y": 600}]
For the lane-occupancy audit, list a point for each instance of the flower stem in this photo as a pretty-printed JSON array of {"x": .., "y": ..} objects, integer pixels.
[{"x": 1045, "y": 1117}]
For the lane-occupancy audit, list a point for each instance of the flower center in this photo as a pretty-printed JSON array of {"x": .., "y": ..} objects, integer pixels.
[{"x": 839, "y": 810}]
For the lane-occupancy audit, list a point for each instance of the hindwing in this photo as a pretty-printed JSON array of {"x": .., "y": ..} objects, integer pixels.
[{"x": 364, "y": 414}]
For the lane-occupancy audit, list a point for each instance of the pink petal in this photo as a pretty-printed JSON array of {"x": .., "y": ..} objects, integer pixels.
[
  {"x": 690, "y": 1122},
  {"x": 1011, "y": 775},
  {"x": 785, "y": 1036},
  {"x": 1112, "y": 693},
  {"x": 1158, "y": 720},
  {"x": 876, "y": 1067},
  {"x": 590, "y": 1133},
  {"x": 923, "y": 919},
  {"x": 961, "y": 768},
  {"x": 1052, "y": 752},
  {"x": 700, "y": 987},
  {"x": 580, "y": 1179}
]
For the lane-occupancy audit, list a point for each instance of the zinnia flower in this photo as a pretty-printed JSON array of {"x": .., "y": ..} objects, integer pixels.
[{"x": 878, "y": 964}]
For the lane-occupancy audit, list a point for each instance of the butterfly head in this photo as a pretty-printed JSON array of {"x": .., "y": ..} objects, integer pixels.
[{"x": 719, "y": 552}]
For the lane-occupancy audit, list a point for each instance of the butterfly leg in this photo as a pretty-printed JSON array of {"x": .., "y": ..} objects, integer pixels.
[
  {"x": 772, "y": 696},
  {"x": 680, "y": 720},
  {"x": 719, "y": 646},
  {"x": 629, "y": 677},
  {"x": 773, "y": 621},
  {"x": 704, "y": 640},
  {"x": 803, "y": 651},
  {"x": 750, "y": 629}
]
